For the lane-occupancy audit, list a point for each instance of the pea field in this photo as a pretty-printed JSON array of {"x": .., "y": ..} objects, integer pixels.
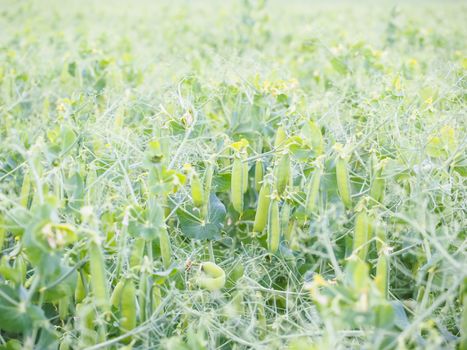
[{"x": 238, "y": 174}]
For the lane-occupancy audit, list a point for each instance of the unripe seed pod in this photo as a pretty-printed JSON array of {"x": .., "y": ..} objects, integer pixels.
[
  {"x": 213, "y": 277},
  {"x": 80, "y": 291},
  {"x": 197, "y": 192},
  {"x": 285, "y": 218},
  {"x": 382, "y": 272},
  {"x": 273, "y": 226},
  {"x": 378, "y": 184},
  {"x": 281, "y": 136},
  {"x": 342, "y": 177},
  {"x": 360, "y": 240},
  {"x": 166, "y": 250},
  {"x": 262, "y": 209},
  {"x": 128, "y": 307},
  {"x": 282, "y": 173},
  {"x": 98, "y": 276},
  {"x": 156, "y": 297},
  {"x": 245, "y": 176},
  {"x": 259, "y": 173},
  {"x": 207, "y": 188},
  {"x": 25, "y": 190},
  {"x": 63, "y": 304},
  {"x": 236, "y": 183},
  {"x": 137, "y": 252},
  {"x": 313, "y": 190},
  {"x": 117, "y": 294}
]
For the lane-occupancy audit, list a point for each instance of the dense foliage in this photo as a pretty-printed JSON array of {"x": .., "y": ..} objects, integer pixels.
[{"x": 232, "y": 175}]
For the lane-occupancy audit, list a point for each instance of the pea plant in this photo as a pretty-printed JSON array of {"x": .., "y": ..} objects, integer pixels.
[{"x": 235, "y": 175}]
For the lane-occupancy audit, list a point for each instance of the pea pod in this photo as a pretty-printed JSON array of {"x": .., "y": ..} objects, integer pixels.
[
  {"x": 88, "y": 335},
  {"x": 25, "y": 190},
  {"x": 166, "y": 250},
  {"x": 237, "y": 303},
  {"x": 281, "y": 136},
  {"x": 259, "y": 173},
  {"x": 262, "y": 209},
  {"x": 245, "y": 176},
  {"x": 378, "y": 184},
  {"x": 313, "y": 190},
  {"x": 236, "y": 183},
  {"x": 128, "y": 307},
  {"x": 207, "y": 188},
  {"x": 63, "y": 304},
  {"x": 212, "y": 278},
  {"x": 98, "y": 276},
  {"x": 137, "y": 252},
  {"x": 343, "y": 179},
  {"x": 282, "y": 173},
  {"x": 156, "y": 297},
  {"x": 382, "y": 272},
  {"x": 360, "y": 239},
  {"x": 80, "y": 291},
  {"x": 197, "y": 191},
  {"x": 143, "y": 288},
  {"x": 117, "y": 294},
  {"x": 285, "y": 217},
  {"x": 273, "y": 226}
]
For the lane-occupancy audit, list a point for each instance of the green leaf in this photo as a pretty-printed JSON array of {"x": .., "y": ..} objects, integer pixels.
[
  {"x": 204, "y": 229},
  {"x": 15, "y": 316}
]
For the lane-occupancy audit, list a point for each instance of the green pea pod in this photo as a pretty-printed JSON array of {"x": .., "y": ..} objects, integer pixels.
[
  {"x": 381, "y": 238},
  {"x": 382, "y": 272},
  {"x": 290, "y": 233},
  {"x": 63, "y": 304},
  {"x": 378, "y": 184},
  {"x": 313, "y": 191},
  {"x": 236, "y": 183},
  {"x": 25, "y": 190},
  {"x": 245, "y": 176},
  {"x": 360, "y": 240},
  {"x": 285, "y": 217},
  {"x": 273, "y": 226},
  {"x": 117, "y": 294},
  {"x": 80, "y": 290},
  {"x": 98, "y": 276},
  {"x": 259, "y": 173},
  {"x": 142, "y": 291},
  {"x": 212, "y": 278},
  {"x": 343, "y": 181},
  {"x": 137, "y": 252},
  {"x": 86, "y": 316},
  {"x": 156, "y": 297},
  {"x": 282, "y": 173},
  {"x": 237, "y": 303},
  {"x": 281, "y": 136},
  {"x": 197, "y": 191},
  {"x": 207, "y": 188},
  {"x": 262, "y": 209},
  {"x": 128, "y": 307},
  {"x": 166, "y": 250}
]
